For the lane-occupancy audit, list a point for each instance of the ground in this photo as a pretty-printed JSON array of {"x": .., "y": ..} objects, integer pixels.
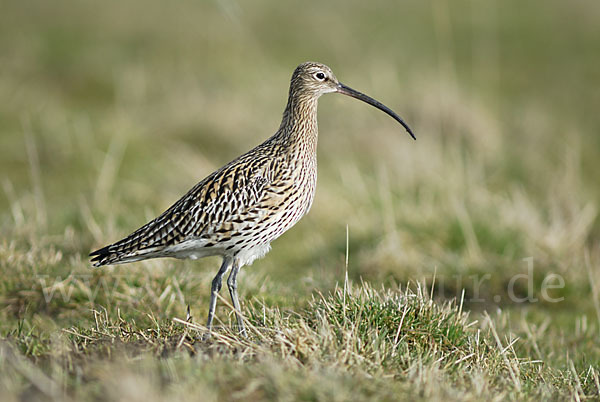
[{"x": 461, "y": 266}]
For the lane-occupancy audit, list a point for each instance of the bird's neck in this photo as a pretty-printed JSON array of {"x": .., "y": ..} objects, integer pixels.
[{"x": 298, "y": 128}]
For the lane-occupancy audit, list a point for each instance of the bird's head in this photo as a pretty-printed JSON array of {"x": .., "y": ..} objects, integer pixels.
[{"x": 310, "y": 80}]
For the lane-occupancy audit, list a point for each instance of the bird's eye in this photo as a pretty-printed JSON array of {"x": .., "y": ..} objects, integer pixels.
[{"x": 320, "y": 76}]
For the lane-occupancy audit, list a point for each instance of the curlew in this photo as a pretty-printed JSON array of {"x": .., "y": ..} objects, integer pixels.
[{"x": 237, "y": 211}]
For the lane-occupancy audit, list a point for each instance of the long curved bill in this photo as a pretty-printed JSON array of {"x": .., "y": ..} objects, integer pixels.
[{"x": 343, "y": 89}]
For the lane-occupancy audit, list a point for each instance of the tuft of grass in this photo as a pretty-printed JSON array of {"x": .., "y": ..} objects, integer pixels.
[
  {"x": 362, "y": 342},
  {"x": 355, "y": 332}
]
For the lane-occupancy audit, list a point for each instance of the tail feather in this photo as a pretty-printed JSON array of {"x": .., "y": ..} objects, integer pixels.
[
  {"x": 171, "y": 227},
  {"x": 141, "y": 244},
  {"x": 108, "y": 255},
  {"x": 132, "y": 248},
  {"x": 101, "y": 256}
]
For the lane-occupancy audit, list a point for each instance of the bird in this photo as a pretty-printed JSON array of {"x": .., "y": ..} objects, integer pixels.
[{"x": 238, "y": 210}]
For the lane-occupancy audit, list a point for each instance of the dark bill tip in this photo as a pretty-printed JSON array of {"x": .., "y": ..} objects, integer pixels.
[{"x": 343, "y": 89}]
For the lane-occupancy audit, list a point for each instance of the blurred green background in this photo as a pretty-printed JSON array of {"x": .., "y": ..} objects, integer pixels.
[{"x": 110, "y": 112}]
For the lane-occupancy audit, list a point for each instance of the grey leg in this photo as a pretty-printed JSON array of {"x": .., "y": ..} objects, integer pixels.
[
  {"x": 214, "y": 289},
  {"x": 232, "y": 285}
]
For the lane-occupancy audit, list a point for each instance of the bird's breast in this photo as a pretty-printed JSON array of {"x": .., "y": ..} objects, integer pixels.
[{"x": 302, "y": 183}]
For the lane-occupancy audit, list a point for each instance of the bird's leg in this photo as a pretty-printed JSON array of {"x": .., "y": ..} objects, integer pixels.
[
  {"x": 232, "y": 285},
  {"x": 214, "y": 289}
]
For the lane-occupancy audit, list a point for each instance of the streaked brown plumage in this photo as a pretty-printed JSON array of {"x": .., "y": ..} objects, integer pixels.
[{"x": 237, "y": 211}]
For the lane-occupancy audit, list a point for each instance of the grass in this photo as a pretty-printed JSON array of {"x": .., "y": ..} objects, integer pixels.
[
  {"x": 374, "y": 337},
  {"x": 462, "y": 266}
]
